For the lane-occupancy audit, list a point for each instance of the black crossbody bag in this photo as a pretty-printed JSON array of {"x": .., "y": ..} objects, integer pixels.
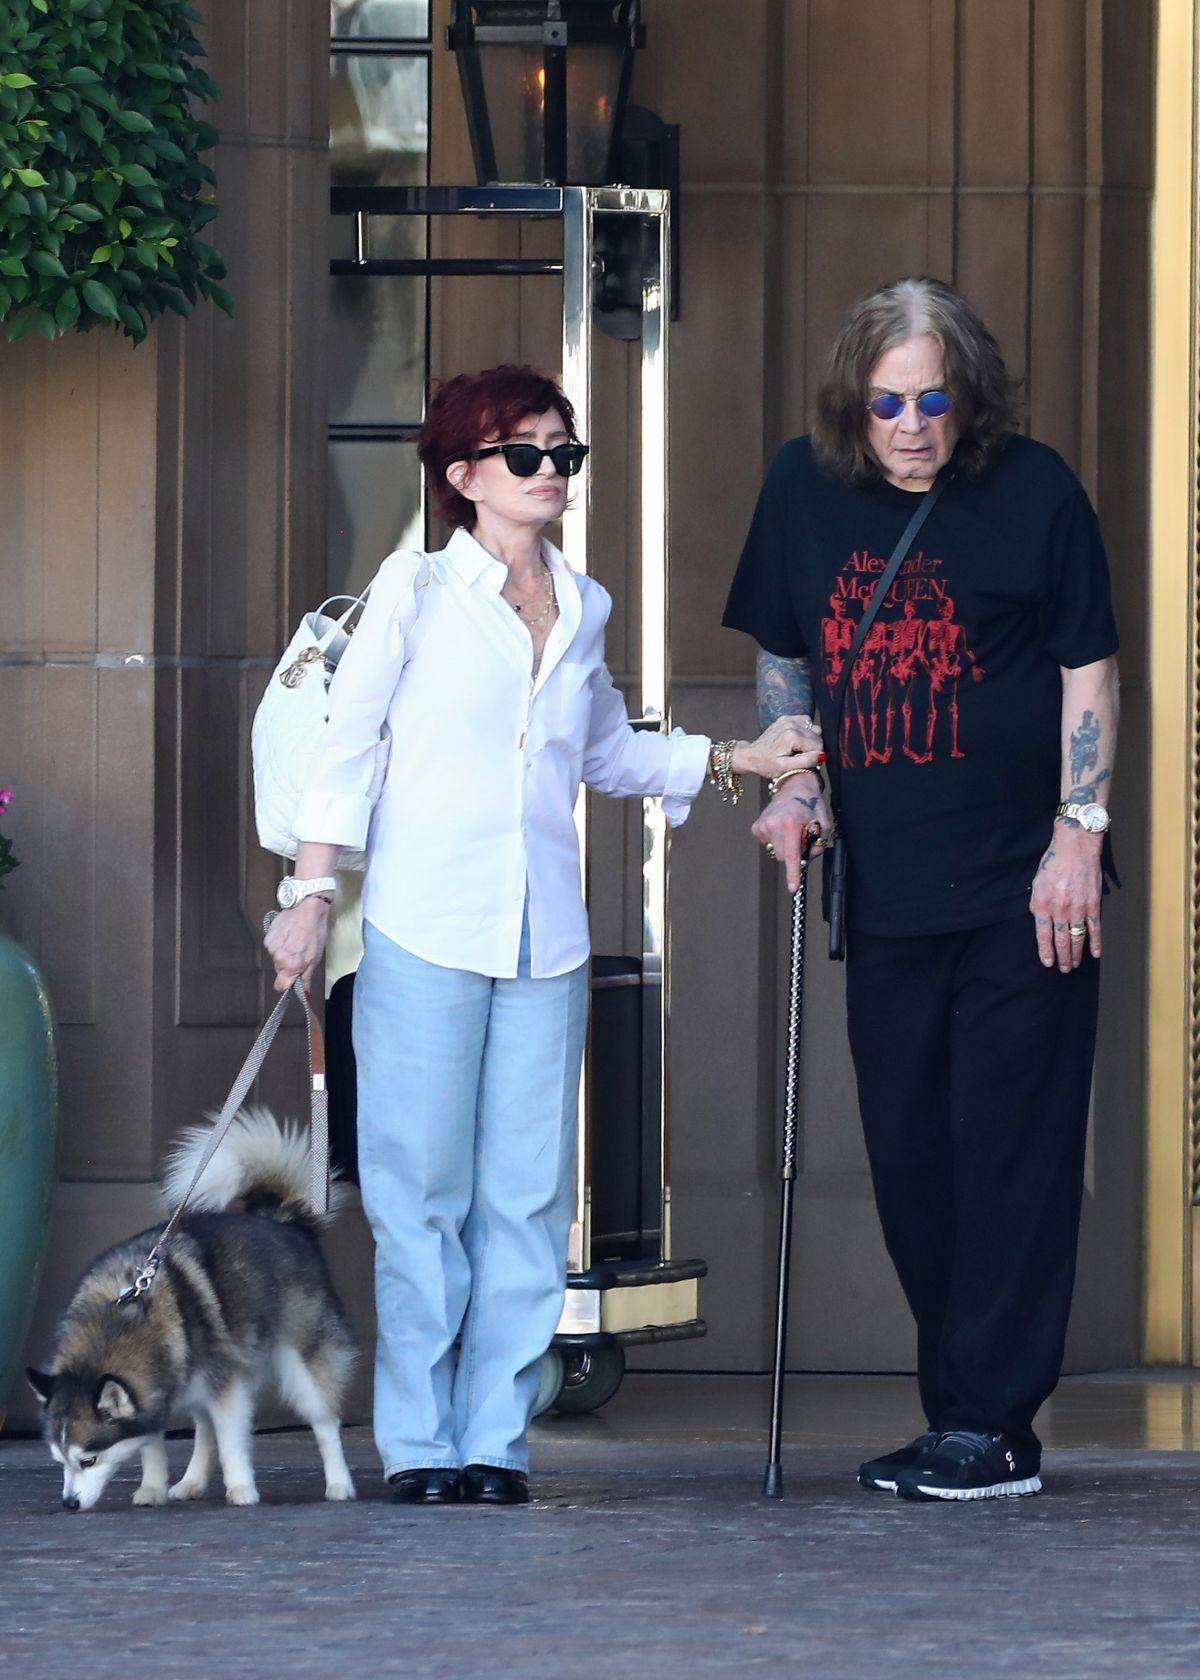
[{"x": 834, "y": 882}]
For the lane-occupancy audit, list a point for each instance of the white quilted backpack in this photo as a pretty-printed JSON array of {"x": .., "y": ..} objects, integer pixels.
[{"x": 293, "y": 710}]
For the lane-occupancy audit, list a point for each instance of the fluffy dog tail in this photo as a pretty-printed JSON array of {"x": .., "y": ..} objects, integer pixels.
[{"x": 261, "y": 1166}]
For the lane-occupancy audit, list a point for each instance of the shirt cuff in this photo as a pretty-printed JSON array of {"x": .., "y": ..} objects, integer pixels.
[
  {"x": 687, "y": 767},
  {"x": 334, "y": 819}
]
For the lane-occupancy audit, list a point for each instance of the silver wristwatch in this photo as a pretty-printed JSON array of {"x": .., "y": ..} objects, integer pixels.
[
  {"x": 291, "y": 891},
  {"x": 1092, "y": 817}
]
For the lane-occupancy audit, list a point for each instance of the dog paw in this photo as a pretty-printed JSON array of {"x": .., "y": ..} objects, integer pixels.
[
  {"x": 340, "y": 1490},
  {"x": 242, "y": 1493},
  {"x": 184, "y": 1489},
  {"x": 150, "y": 1495}
]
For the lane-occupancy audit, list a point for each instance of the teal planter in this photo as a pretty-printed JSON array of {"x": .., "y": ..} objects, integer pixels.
[{"x": 28, "y": 1115}]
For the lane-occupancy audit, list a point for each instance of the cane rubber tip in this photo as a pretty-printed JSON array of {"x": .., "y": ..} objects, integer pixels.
[{"x": 773, "y": 1482}]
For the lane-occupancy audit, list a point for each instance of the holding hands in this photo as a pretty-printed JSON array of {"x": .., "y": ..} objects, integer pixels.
[{"x": 790, "y": 743}]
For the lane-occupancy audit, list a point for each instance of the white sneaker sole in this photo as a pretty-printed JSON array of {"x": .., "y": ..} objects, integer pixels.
[
  {"x": 998, "y": 1490},
  {"x": 884, "y": 1487}
]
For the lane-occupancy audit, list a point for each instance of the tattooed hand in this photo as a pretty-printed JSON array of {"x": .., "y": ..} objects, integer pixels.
[
  {"x": 1066, "y": 898},
  {"x": 799, "y": 802}
]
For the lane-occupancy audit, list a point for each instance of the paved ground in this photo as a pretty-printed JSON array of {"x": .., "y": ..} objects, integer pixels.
[{"x": 647, "y": 1551}]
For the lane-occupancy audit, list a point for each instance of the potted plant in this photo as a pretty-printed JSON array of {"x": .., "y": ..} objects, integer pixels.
[{"x": 28, "y": 1113}]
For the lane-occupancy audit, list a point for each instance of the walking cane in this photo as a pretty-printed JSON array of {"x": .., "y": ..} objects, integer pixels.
[{"x": 773, "y": 1479}]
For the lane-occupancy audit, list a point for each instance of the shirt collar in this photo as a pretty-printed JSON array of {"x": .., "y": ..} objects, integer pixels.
[
  {"x": 471, "y": 560},
  {"x": 468, "y": 557}
]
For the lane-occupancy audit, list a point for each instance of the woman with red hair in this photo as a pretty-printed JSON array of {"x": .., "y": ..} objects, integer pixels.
[{"x": 486, "y": 661}]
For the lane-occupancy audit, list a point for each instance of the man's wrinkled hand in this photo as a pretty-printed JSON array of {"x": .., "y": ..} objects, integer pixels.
[
  {"x": 799, "y": 804},
  {"x": 1065, "y": 901}
]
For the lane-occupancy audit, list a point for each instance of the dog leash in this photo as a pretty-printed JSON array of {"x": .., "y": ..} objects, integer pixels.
[{"x": 319, "y": 1141}]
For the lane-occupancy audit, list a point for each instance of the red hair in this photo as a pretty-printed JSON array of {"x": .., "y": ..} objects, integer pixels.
[{"x": 477, "y": 408}]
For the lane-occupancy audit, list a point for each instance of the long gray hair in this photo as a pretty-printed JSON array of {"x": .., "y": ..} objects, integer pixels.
[{"x": 977, "y": 379}]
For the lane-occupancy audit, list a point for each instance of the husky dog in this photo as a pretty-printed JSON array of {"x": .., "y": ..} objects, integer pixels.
[{"x": 242, "y": 1297}]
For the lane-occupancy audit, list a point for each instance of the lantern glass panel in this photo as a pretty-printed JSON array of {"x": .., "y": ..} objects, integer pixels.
[
  {"x": 593, "y": 84},
  {"x": 514, "y": 86},
  {"x": 515, "y": 92}
]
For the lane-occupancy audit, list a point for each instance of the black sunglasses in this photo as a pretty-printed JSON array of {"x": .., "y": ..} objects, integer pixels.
[{"x": 524, "y": 459}]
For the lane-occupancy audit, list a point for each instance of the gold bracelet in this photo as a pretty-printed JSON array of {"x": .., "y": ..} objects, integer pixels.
[
  {"x": 777, "y": 782},
  {"x": 722, "y": 775}
]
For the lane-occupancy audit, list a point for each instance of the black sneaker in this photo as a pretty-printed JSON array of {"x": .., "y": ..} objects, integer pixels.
[
  {"x": 966, "y": 1464},
  {"x": 881, "y": 1472}
]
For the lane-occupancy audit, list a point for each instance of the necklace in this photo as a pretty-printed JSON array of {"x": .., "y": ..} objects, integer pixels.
[{"x": 521, "y": 607}]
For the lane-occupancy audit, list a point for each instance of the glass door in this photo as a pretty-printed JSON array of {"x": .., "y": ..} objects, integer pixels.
[{"x": 378, "y": 324}]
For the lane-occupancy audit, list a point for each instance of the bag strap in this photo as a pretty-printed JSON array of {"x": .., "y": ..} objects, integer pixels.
[
  {"x": 356, "y": 601},
  {"x": 319, "y": 1141},
  {"x": 421, "y": 580},
  {"x": 878, "y": 595}
]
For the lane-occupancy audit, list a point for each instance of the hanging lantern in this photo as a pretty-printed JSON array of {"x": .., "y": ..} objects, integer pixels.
[{"x": 546, "y": 83}]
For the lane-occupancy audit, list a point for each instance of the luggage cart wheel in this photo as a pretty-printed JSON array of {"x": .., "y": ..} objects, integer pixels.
[
  {"x": 550, "y": 1381},
  {"x": 593, "y": 1376}
]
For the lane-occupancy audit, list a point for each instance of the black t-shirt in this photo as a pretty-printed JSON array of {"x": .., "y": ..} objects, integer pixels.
[{"x": 949, "y": 750}]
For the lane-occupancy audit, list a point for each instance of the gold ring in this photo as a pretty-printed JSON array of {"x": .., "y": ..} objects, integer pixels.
[{"x": 1077, "y": 930}]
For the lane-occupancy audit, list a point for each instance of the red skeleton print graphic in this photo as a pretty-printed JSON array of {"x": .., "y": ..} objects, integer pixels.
[{"x": 903, "y": 692}]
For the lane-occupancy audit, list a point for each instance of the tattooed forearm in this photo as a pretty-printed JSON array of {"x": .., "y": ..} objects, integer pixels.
[
  {"x": 1083, "y": 753},
  {"x": 1085, "y": 744},
  {"x": 784, "y": 688},
  {"x": 1091, "y": 704},
  {"x": 1087, "y": 793}
]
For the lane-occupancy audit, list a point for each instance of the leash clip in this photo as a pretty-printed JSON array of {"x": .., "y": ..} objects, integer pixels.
[{"x": 141, "y": 1284}]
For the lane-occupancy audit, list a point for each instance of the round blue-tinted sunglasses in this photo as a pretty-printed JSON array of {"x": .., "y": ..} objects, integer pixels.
[{"x": 889, "y": 405}]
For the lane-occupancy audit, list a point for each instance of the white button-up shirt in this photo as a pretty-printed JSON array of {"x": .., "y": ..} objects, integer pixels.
[{"x": 486, "y": 761}]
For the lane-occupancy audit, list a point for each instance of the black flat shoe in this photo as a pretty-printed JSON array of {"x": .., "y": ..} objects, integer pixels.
[
  {"x": 488, "y": 1484},
  {"x": 426, "y": 1487}
]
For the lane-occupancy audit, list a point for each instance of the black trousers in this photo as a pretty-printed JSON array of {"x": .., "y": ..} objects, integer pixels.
[{"x": 974, "y": 1068}]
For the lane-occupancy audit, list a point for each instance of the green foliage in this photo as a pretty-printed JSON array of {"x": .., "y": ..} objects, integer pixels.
[{"x": 101, "y": 178}]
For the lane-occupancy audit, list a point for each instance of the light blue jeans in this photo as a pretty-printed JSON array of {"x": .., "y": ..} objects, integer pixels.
[{"x": 467, "y": 1102}]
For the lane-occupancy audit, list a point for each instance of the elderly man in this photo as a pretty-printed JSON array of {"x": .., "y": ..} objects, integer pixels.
[{"x": 974, "y": 864}]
